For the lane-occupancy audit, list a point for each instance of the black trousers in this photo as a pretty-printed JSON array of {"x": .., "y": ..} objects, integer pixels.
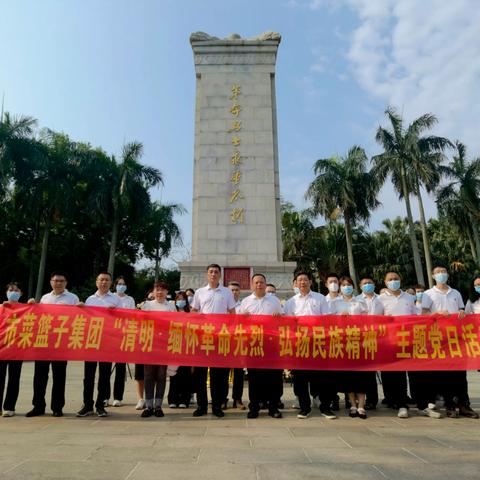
[
  {"x": 14, "y": 368},
  {"x": 263, "y": 386},
  {"x": 395, "y": 383},
  {"x": 301, "y": 382},
  {"x": 372, "y": 390},
  {"x": 426, "y": 384},
  {"x": 103, "y": 385},
  {"x": 218, "y": 386},
  {"x": 237, "y": 391},
  {"x": 454, "y": 388},
  {"x": 180, "y": 389},
  {"x": 40, "y": 381},
  {"x": 119, "y": 382}
]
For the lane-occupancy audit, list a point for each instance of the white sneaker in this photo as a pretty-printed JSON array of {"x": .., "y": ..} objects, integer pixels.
[
  {"x": 172, "y": 405},
  {"x": 8, "y": 413},
  {"x": 402, "y": 413},
  {"x": 140, "y": 404},
  {"x": 428, "y": 412},
  {"x": 182, "y": 405},
  {"x": 117, "y": 403},
  {"x": 432, "y": 406}
]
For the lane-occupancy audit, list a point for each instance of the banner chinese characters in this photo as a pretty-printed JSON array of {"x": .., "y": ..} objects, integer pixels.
[{"x": 58, "y": 332}]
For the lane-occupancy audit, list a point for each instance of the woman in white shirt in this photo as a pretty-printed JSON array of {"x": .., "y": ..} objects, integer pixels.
[
  {"x": 473, "y": 303},
  {"x": 355, "y": 382}
]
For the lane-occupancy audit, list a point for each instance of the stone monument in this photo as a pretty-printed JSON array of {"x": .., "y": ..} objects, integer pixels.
[{"x": 236, "y": 195}]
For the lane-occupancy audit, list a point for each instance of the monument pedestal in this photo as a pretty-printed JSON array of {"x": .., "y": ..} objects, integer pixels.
[{"x": 236, "y": 219}]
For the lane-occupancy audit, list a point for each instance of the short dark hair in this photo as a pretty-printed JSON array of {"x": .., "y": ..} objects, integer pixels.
[
  {"x": 259, "y": 275},
  {"x": 190, "y": 290},
  {"x": 214, "y": 265},
  {"x": 58, "y": 273},
  {"x": 271, "y": 285},
  {"x": 367, "y": 278},
  {"x": 391, "y": 271},
  {"x": 332, "y": 274},
  {"x": 160, "y": 285},
  {"x": 303, "y": 272},
  {"x": 347, "y": 279},
  {"x": 105, "y": 273},
  {"x": 120, "y": 277},
  {"x": 13, "y": 284},
  {"x": 440, "y": 265},
  {"x": 234, "y": 283},
  {"x": 418, "y": 286}
]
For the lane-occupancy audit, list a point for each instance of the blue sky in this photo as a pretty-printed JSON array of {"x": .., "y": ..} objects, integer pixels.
[{"x": 110, "y": 71}]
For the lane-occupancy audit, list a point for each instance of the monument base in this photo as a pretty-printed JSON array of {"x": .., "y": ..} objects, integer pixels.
[{"x": 280, "y": 274}]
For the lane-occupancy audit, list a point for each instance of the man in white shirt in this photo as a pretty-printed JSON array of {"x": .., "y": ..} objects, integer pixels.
[
  {"x": 213, "y": 298},
  {"x": 375, "y": 307},
  {"x": 396, "y": 303},
  {"x": 103, "y": 297},
  {"x": 444, "y": 300},
  {"x": 261, "y": 381},
  {"x": 238, "y": 374},
  {"x": 308, "y": 303},
  {"x": 59, "y": 296}
]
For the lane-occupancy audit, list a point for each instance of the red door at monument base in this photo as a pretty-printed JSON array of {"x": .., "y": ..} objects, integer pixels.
[{"x": 237, "y": 274}]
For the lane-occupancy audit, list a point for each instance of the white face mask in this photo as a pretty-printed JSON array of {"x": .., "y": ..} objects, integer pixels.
[{"x": 333, "y": 287}]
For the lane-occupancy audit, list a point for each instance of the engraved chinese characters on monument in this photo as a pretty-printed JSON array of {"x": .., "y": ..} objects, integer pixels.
[{"x": 236, "y": 194}]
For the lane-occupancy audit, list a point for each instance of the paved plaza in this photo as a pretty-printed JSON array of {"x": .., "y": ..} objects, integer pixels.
[{"x": 178, "y": 446}]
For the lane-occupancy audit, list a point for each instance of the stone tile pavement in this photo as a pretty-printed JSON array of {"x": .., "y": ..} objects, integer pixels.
[{"x": 178, "y": 446}]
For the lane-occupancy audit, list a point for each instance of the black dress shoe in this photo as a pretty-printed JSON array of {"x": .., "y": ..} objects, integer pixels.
[
  {"x": 275, "y": 414},
  {"x": 199, "y": 412},
  {"x": 218, "y": 412},
  {"x": 252, "y": 414},
  {"x": 57, "y": 413},
  {"x": 35, "y": 412}
]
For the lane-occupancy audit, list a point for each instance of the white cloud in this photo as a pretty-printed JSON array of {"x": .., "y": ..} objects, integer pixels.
[{"x": 422, "y": 57}]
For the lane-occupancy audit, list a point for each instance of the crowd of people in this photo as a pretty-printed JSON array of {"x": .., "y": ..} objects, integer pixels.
[{"x": 265, "y": 386}]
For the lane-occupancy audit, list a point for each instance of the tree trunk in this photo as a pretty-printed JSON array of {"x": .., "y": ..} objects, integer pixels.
[
  {"x": 349, "y": 240},
  {"x": 476, "y": 239},
  {"x": 411, "y": 231},
  {"x": 471, "y": 242},
  {"x": 426, "y": 242},
  {"x": 157, "y": 264},
  {"x": 43, "y": 261},
  {"x": 113, "y": 242}
]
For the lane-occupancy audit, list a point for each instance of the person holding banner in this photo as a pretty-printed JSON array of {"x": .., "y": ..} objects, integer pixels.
[
  {"x": 262, "y": 382},
  {"x": 14, "y": 367},
  {"x": 355, "y": 382},
  {"x": 213, "y": 298},
  {"x": 473, "y": 303},
  {"x": 444, "y": 300},
  {"x": 120, "y": 368},
  {"x": 310, "y": 303},
  {"x": 396, "y": 302},
  {"x": 58, "y": 296},
  {"x": 238, "y": 374},
  {"x": 156, "y": 375},
  {"x": 104, "y": 298}
]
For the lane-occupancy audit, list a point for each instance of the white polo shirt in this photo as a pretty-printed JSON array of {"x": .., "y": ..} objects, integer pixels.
[
  {"x": 153, "y": 305},
  {"x": 473, "y": 307},
  {"x": 267, "y": 305},
  {"x": 355, "y": 306},
  {"x": 64, "y": 298},
  {"x": 393, "y": 305},
  {"x": 437, "y": 301},
  {"x": 374, "y": 305},
  {"x": 312, "y": 303},
  {"x": 213, "y": 300},
  {"x": 107, "y": 300},
  {"x": 126, "y": 301}
]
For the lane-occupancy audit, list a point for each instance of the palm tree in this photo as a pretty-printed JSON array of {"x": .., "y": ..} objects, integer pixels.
[
  {"x": 343, "y": 187},
  {"x": 460, "y": 199},
  {"x": 411, "y": 161},
  {"x": 162, "y": 232},
  {"x": 130, "y": 190}
]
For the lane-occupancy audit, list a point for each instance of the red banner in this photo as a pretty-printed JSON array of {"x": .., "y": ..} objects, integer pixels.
[{"x": 58, "y": 332}]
